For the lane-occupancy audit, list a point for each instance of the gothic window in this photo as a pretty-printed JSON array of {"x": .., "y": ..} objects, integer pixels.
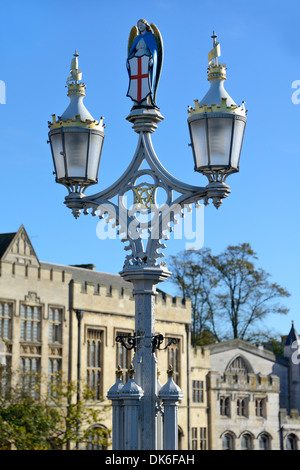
[
  {"x": 174, "y": 361},
  {"x": 224, "y": 406},
  {"x": 241, "y": 406},
  {"x": 260, "y": 407},
  {"x": 198, "y": 391},
  {"x": 239, "y": 365},
  {"x": 30, "y": 323},
  {"x": 264, "y": 442},
  {"x": 29, "y": 378},
  {"x": 203, "y": 438},
  {"x": 227, "y": 442},
  {"x": 95, "y": 362},
  {"x": 194, "y": 439},
  {"x": 55, "y": 325},
  {"x": 246, "y": 442},
  {"x": 180, "y": 437},
  {"x": 5, "y": 320},
  {"x": 123, "y": 357},
  {"x": 5, "y": 374},
  {"x": 291, "y": 442},
  {"x": 97, "y": 438},
  {"x": 54, "y": 378}
]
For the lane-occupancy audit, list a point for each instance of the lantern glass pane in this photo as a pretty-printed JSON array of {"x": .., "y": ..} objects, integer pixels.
[
  {"x": 57, "y": 149},
  {"x": 95, "y": 148},
  {"x": 219, "y": 130},
  {"x": 76, "y": 144},
  {"x": 237, "y": 142},
  {"x": 198, "y": 134}
]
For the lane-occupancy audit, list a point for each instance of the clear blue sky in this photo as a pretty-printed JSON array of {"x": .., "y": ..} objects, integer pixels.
[{"x": 259, "y": 44}]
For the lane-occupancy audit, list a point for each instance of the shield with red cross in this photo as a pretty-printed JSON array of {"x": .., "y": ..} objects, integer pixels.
[{"x": 139, "y": 85}]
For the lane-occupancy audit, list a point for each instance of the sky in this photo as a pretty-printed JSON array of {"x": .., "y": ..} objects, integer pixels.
[{"x": 260, "y": 46}]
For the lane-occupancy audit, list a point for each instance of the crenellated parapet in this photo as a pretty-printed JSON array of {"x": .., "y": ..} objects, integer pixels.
[
  {"x": 244, "y": 382},
  {"x": 199, "y": 356},
  {"x": 222, "y": 107},
  {"x": 289, "y": 419}
]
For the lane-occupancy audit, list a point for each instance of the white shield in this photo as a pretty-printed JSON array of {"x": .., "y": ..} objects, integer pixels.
[{"x": 139, "y": 85}]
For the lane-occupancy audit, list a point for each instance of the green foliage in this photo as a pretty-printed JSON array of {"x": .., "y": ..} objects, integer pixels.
[
  {"x": 204, "y": 338},
  {"x": 275, "y": 346},
  {"x": 230, "y": 296},
  {"x": 54, "y": 421}
]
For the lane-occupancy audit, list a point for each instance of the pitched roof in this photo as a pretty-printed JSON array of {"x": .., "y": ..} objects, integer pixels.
[
  {"x": 292, "y": 336},
  {"x": 83, "y": 274},
  {"x": 5, "y": 241}
]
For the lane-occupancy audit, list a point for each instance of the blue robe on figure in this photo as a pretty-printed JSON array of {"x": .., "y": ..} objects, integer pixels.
[{"x": 151, "y": 44}]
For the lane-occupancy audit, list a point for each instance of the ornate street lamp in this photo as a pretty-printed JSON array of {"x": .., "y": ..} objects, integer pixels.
[
  {"x": 76, "y": 139},
  {"x": 216, "y": 127}
]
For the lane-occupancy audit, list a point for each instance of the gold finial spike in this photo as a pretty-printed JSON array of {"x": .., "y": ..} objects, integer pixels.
[
  {"x": 170, "y": 372},
  {"x": 131, "y": 371},
  {"x": 119, "y": 372},
  {"x": 76, "y": 74},
  {"x": 214, "y": 37},
  {"x": 216, "y": 50}
]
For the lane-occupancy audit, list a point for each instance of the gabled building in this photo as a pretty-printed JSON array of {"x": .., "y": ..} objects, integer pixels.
[
  {"x": 253, "y": 397},
  {"x": 67, "y": 318}
]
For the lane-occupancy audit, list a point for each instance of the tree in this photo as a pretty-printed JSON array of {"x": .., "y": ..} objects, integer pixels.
[
  {"x": 51, "y": 422},
  {"x": 191, "y": 273},
  {"x": 230, "y": 296}
]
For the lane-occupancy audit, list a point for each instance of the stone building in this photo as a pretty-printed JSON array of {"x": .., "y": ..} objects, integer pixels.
[
  {"x": 253, "y": 397},
  {"x": 67, "y": 318}
]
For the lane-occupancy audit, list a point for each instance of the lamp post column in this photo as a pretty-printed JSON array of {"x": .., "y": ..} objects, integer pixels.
[{"x": 144, "y": 280}]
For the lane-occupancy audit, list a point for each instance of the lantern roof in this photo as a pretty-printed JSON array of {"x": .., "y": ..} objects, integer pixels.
[
  {"x": 217, "y": 98},
  {"x": 76, "y": 113}
]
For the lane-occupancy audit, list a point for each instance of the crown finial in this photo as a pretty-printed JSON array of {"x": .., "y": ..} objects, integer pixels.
[
  {"x": 214, "y": 37},
  {"x": 131, "y": 371},
  {"x": 170, "y": 372},
  {"x": 216, "y": 50},
  {"x": 76, "y": 74},
  {"x": 119, "y": 372}
]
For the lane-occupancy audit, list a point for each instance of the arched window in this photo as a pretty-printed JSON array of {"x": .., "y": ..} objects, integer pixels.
[
  {"x": 94, "y": 362},
  {"x": 241, "y": 406},
  {"x": 291, "y": 442},
  {"x": 246, "y": 442},
  {"x": 97, "y": 438},
  {"x": 227, "y": 442},
  {"x": 264, "y": 442},
  {"x": 239, "y": 365},
  {"x": 224, "y": 406},
  {"x": 180, "y": 437}
]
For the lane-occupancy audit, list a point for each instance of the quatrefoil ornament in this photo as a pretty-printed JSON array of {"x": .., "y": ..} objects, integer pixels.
[{"x": 144, "y": 196}]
